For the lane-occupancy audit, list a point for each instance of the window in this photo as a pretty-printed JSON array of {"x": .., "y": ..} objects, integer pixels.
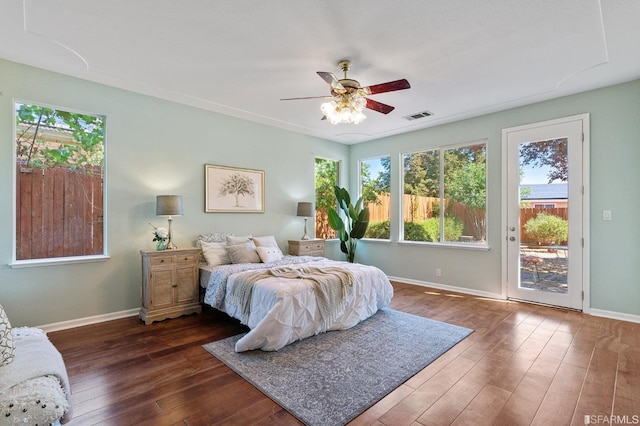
[
  {"x": 326, "y": 179},
  {"x": 59, "y": 183},
  {"x": 444, "y": 196},
  {"x": 376, "y": 193}
]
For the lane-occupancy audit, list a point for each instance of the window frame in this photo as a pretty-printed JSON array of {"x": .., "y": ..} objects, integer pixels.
[
  {"x": 441, "y": 190},
  {"x": 47, "y": 261}
]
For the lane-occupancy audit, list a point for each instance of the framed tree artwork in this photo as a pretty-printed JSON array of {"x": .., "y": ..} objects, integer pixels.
[{"x": 230, "y": 189}]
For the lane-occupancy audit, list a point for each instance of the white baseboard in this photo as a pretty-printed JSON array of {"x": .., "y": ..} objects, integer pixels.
[
  {"x": 449, "y": 288},
  {"x": 57, "y": 326},
  {"x": 614, "y": 315}
]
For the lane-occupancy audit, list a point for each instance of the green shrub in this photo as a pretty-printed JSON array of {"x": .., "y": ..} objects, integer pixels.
[
  {"x": 379, "y": 230},
  {"x": 547, "y": 229},
  {"x": 415, "y": 232},
  {"x": 432, "y": 229},
  {"x": 429, "y": 230},
  {"x": 452, "y": 228}
]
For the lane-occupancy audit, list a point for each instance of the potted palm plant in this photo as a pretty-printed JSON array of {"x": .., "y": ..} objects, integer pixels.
[{"x": 354, "y": 225}]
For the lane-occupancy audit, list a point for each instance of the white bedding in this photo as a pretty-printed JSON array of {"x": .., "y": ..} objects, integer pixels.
[{"x": 285, "y": 310}]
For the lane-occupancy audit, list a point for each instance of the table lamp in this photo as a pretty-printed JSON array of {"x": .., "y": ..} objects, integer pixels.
[
  {"x": 305, "y": 209},
  {"x": 169, "y": 205}
]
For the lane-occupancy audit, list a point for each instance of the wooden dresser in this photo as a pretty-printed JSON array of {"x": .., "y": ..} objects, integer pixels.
[
  {"x": 169, "y": 284},
  {"x": 306, "y": 247}
]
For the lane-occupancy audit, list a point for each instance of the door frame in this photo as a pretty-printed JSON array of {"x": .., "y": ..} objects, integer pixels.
[{"x": 586, "y": 303}]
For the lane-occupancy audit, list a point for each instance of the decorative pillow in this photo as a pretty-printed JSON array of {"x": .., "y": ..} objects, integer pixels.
[
  {"x": 269, "y": 254},
  {"x": 232, "y": 240},
  {"x": 215, "y": 253},
  {"x": 216, "y": 237},
  {"x": 7, "y": 345},
  {"x": 243, "y": 253},
  {"x": 269, "y": 241}
]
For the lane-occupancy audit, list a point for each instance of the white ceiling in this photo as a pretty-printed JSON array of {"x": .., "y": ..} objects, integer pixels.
[{"x": 463, "y": 58}]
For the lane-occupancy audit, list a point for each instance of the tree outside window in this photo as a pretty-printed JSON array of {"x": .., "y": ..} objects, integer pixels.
[
  {"x": 326, "y": 173},
  {"x": 444, "y": 198},
  {"x": 59, "y": 183}
]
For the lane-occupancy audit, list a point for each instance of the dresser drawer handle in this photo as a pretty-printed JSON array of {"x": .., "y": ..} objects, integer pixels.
[
  {"x": 161, "y": 260},
  {"x": 175, "y": 285}
]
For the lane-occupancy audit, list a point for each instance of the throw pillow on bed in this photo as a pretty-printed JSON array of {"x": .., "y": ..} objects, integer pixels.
[
  {"x": 215, "y": 253},
  {"x": 268, "y": 241},
  {"x": 243, "y": 253},
  {"x": 269, "y": 254},
  {"x": 233, "y": 240},
  {"x": 7, "y": 345}
]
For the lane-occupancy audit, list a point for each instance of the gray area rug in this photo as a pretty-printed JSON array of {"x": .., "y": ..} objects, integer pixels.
[{"x": 331, "y": 378}]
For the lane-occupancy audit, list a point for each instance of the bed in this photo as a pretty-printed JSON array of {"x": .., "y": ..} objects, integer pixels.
[{"x": 283, "y": 299}]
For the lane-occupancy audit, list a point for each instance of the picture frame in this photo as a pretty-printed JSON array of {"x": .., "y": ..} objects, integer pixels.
[{"x": 233, "y": 190}]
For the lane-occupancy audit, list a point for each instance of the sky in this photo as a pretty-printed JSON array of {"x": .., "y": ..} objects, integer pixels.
[{"x": 532, "y": 174}]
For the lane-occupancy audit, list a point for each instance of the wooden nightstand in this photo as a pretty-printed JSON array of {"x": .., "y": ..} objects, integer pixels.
[
  {"x": 169, "y": 284},
  {"x": 306, "y": 247}
]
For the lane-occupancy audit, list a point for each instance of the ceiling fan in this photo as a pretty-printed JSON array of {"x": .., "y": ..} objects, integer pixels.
[{"x": 349, "y": 97}]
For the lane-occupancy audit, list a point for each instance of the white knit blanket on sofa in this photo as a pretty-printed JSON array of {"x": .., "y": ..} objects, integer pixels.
[{"x": 35, "y": 358}]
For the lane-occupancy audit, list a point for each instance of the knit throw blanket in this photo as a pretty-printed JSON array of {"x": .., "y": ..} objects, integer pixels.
[
  {"x": 35, "y": 357},
  {"x": 331, "y": 285}
]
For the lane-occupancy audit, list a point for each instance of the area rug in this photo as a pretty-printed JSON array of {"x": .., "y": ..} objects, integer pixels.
[{"x": 331, "y": 378}]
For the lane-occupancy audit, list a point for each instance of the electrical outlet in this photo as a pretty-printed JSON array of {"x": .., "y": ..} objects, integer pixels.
[
  {"x": 438, "y": 272},
  {"x": 606, "y": 214}
]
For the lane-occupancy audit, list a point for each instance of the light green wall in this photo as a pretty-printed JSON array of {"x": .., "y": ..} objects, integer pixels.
[
  {"x": 614, "y": 176},
  {"x": 153, "y": 147},
  {"x": 158, "y": 147}
]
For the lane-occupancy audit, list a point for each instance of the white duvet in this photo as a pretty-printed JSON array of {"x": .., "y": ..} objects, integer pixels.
[{"x": 285, "y": 310}]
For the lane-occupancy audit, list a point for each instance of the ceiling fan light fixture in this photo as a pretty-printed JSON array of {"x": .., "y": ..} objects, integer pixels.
[{"x": 345, "y": 109}]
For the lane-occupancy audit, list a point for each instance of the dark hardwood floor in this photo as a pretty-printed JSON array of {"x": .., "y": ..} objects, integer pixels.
[{"x": 524, "y": 364}]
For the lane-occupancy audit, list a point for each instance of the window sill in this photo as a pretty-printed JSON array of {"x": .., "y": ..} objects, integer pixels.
[
  {"x": 452, "y": 245},
  {"x": 31, "y": 263}
]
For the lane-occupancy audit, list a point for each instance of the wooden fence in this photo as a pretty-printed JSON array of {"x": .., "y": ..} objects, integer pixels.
[
  {"x": 423, "y": 208},
  {"x": 59, "y": 212}
]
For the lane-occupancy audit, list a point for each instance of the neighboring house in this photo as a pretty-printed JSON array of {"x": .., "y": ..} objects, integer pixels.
[{"x": 545, "y": 195}]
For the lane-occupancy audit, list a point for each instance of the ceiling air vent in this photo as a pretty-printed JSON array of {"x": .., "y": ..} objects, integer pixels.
[{"x": 417, "y": 115}]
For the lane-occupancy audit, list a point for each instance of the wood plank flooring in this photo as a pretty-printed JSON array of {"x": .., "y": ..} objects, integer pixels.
[{"x": 524, "y": 364}]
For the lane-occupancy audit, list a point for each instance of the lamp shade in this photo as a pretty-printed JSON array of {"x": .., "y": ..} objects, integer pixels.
[
  {"x": 169, "y": 205},
  {"x": 305, "y": 209}
]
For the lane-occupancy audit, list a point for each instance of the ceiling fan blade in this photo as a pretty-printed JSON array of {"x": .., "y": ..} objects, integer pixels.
[
  {"x": 389, "y": 86},
  {"x": 308, "y": 97},
  {"x": 379, "y": 106},
  {"x": 331, "y": 79}
]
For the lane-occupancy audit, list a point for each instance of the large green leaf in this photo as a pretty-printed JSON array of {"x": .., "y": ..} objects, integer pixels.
[
  {"x": 360, "y": 225},
  {"x": 335, "y": 221},
  {"x": 342, "y": 195}
]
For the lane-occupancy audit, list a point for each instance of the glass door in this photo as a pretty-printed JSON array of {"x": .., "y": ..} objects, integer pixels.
[{"x": 544, "y": 237}]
